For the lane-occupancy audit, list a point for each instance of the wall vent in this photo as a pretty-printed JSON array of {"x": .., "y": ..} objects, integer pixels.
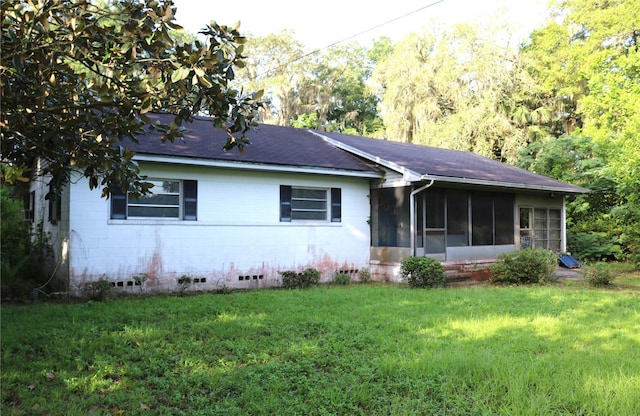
[{"x": 251, "y": 277}]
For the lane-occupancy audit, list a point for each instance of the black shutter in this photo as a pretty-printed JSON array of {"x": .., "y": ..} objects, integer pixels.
[
  {"x": 285, "y": 203},
  {"x": 55, "y": 207},
  {"x": 190, "y": 200},
  {"x": 336, "y": 205},
  {"x": 118, "y": 205}
]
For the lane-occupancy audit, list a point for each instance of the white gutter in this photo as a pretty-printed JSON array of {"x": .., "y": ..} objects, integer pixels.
[
  {"x": 501, "y": 184},
  {"x": 254, "y": 166},
  {"x": 412, "y": 214}
]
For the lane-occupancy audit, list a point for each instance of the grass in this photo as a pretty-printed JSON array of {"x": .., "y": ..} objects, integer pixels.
[{"x": 332, "y": 350}]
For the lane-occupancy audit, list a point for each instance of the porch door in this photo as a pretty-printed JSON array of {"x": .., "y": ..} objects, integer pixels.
[{"x": 430, "y": 224}]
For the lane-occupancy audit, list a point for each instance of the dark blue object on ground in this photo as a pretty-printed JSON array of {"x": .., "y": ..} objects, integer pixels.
[{"x": 568, "y": 261}]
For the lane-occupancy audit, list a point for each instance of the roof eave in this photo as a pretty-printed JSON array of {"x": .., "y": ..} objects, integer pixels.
[{"x": 263, "y": 167}]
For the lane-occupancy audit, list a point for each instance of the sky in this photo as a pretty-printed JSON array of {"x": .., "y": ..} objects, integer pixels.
[{"x": 322, "y": 23}]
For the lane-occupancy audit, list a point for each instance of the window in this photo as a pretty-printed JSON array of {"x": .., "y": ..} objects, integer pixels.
[
  {"x": 30, "y": 204},
  {"x": 310, "y": 204},
  {"x": 169, "y": 198},
  {"x": 541, "y": 228},
  {"x": 526, "y": 227},
  {"x": 547, "y": 228},
  {"x": 55, "y": 207}
]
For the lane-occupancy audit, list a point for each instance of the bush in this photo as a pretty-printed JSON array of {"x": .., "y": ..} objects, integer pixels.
[
  {"x": 25, "y": 258},
  {"x": 598, "y": 275},
  {"x": 423, "y": 272},
  {"x": 293, "y": 280},
  {"x": 595, "y": 246},
  {"x": 184, "y": 282},
  {"x": 341, "y": 279},
  {"x": 97, "y": 290},
  {"x": 364, "y": 275},
  {"x": 525, "y": 266}
]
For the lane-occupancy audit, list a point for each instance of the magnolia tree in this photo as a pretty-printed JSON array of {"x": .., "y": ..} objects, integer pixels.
[{"x": 79, "y": 76}]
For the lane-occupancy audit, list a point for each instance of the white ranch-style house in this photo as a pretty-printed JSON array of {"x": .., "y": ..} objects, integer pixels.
[{"x": 295, "y": 199}]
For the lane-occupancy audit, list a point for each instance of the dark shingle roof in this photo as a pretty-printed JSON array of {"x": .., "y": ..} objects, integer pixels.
[
  {"x": 456, "y": 166},
  {"x": 288, "y": 146},
  {"x": 273, "y": 145}
]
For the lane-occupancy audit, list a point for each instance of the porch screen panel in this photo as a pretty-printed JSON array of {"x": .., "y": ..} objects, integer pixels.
[
  {"x": 504, "y": 220},
  {"x": 392, "y": 217},
  {"x": 435, "y": 221},
  {"x": 482, "y": 219},
  {"x": 435, "y": 209},
  {"x": 457, "y": 218}
]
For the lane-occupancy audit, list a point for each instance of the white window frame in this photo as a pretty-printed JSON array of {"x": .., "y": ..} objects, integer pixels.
[
  {"x": 136, "y": 204},
  {"x": 301, "y": 200},
  {"x": 331, "y": 212},
  {"x": 187, "y": 205}
]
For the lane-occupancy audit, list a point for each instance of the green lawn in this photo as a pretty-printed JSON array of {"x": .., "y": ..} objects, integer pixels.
[{"x": 351, "y": 350}]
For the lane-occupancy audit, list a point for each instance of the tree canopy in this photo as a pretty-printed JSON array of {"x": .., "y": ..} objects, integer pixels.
[
  {"x": 586, "y": 63},
  {"x": 79, "y": 76}
]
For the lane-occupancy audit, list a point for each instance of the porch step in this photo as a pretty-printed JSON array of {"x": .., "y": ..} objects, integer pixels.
[{"x": 462, "y": 274}]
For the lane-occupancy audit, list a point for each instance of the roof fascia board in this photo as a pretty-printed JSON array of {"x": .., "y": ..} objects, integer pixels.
[
  {"x": 255, "y": 166},
  {"x": 496, "y": 184},
  {"x": 407, "y": 174}
]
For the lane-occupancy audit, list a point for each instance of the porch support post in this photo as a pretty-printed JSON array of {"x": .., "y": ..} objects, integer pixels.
[
  {"x": 412, "y": 214},
  {"x": 563, "y": 225}
]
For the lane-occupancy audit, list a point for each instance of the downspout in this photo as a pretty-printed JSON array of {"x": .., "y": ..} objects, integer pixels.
[{"x": 412, "y": 214}]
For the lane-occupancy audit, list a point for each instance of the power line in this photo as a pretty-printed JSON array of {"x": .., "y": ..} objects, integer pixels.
[{"x": 355, "y": 35}]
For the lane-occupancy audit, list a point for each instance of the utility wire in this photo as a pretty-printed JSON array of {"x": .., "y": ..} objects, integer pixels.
[{"x": 354, "y": 36}]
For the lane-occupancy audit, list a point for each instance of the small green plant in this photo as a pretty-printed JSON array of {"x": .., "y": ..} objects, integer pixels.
[
  {"x": 293, "y": 280},
  {"x": 598, "y": 274},
  {"x": 97, "y": 290},
  {"x": 524, "y": 266},
  {"x": 364, "y": 275},
  {"x": 341, "y": 279},
  {"x": 222, "y": 289},
  {"x": 422, "y": 272},
  {"x": 139, "y": 280},
  {"x": 184, "y": 282}
]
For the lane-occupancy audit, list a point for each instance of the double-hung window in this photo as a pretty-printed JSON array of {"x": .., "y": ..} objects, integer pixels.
[
  {"x": 169, "y": 199},
  {"x": 310, "y": 204}
]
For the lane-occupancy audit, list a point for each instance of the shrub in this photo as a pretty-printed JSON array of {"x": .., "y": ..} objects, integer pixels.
[
  {"x": 293, "y": 280},
  {"x": 25, "y": 254},
  {"x": 96, "y": 290},
  {"x": 341, "y": 279},
  {"x": 364, "y": 275},
  {"x": 525, "y": 266},
  {"x": 595, "y": 246},
  {"x": 598, "y": 275},
  {"x": 184, "y": 282},
  {"x": 423, "y": 272}
]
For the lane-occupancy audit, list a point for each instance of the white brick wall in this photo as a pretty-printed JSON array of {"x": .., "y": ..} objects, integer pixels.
[{"x": 238, "y": 233}]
